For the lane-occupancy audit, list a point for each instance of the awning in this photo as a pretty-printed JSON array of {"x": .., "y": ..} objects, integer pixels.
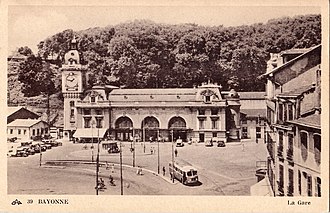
[{"x": 89, "y": 133}]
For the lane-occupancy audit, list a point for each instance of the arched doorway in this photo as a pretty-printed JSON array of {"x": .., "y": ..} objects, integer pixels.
[
  {"x": 178, "y": 126},
  {"x": 123, "y": 128},
  {"x": 150, "y": 128}
]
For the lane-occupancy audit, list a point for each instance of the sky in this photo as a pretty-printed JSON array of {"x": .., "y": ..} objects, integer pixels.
[{"x": 28, "y": 25}]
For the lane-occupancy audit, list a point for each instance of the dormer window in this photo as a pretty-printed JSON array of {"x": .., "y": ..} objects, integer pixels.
[
  {"x": 93, "y": 99},
  {"x": 207, "y": 99}
]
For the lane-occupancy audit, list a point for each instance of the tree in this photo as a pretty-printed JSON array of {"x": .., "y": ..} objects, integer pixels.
[
  {"x": 35, "y": 75},
  {"x": 25, "y": 51}
]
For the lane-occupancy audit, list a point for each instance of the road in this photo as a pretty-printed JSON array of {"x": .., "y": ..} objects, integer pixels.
[{"x": 226, "y": 170}]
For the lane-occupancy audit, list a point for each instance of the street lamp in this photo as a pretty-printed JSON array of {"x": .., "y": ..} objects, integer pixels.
[
  {"x": 97, "y": 161},
  {"x": 121, "y": 170},
  {"x": 158, "y": 149},
  {"x": 172, "y": 156},
  {"x": 93, "y": 122}
]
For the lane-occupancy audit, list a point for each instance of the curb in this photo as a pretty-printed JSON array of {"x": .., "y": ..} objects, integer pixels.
[{"x": 52, "y": 164}]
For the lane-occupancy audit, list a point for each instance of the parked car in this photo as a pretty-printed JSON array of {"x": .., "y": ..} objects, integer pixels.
[
  {"x": 209, "y": 143},
  {"x": 179, "y": 143},
  {"x": 20, "y": 152},
  {"x": 221, "y": 144}
]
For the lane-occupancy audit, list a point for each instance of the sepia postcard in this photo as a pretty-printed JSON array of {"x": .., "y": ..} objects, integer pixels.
[{"x": 164, "y": 106}]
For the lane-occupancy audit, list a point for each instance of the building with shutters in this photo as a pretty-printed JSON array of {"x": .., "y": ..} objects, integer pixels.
[{"x": 293, "y": 132}]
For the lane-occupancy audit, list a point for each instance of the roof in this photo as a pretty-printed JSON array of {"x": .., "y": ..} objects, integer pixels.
[
  {"x": 24, "y": 122},
  {"x": 12, "y": 110},
  {"x": 143, "y": 95},
  {"x": 297, "y": 92},
  {"x": 251, "y": 95},
  {"x": 313, "y": 121},
  {"x": 291, "y": 61},
  {"x": 254, "y": 112},
  {"x": 295, "y": 51}
]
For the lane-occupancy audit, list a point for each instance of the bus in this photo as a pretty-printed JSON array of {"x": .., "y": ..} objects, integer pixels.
[{"x": 183, "y": 172}]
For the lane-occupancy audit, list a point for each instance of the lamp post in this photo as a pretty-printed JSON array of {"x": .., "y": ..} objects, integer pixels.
[
  {"x": 144, "y": 138},
  {"x": 93, "y": 122},
  {"x": 97, "y": 161},
  {"x": 158, "y": 149},
  {"x": 40, "y": 156},
  {"x": 172, "y": 156},
  {"x": 133, "y": 148},
  {"x": 121, "y": 170}
]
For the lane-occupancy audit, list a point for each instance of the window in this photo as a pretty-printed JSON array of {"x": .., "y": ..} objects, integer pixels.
[
  {"x": 207, "y": 99},
  {"x": 71, "y": 103},
  {"x": 290, "y": 186},
  {"x": 309, "y": 185},
  {"x": 244, "y": 121},
  {"x": 214, "y": 111},
  {"x": 19, "y": 131},
  {"x": 87, "y": 111},
  {"x": 258, "y": 132},
  {"x": 317, "y": 148},
  {"x": 72, "y": 113},
  {"x": 214, "y": 124},
  {"x": 11, "y": 131},
  {"x": 299, "y": 182},
  {"x": 99, "y": 123},
  {"x": 280, "y": 139},
  {"x": 98, "y": 112},
  {"x": 46, "y": 130},
  {"x": 87, "y": 122},
  {"x": 201, "y": 124},
  {"x": 304, "y": 142},
  {"x": 24, "y": 131},
  {"x": 93, "y": 99},
  {"x": 281, "y": 181},
  {"x": 33, "y": 132},
  {"x": 214, "y": 135},
  {"x": 38, "y": 131},
  {"x": 285, "y": 113},
  {"x": 42, "y": 130},
  {"x": 290, "y": 111},
  {"x": 318, "y": 187},
  {"x": 280, "y": 112},
  {"x": 201, "y": 112}
]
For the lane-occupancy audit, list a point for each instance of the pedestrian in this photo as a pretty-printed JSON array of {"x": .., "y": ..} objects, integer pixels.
[
  {"x": 176, "y": 152},
  {"x": 151, "y": 150},
  {"x": 113, "y": 168},
  {"x": 164, "y": 170},
  {"x": 242, "y": 146},
  {"x": 107, "y": 165}
]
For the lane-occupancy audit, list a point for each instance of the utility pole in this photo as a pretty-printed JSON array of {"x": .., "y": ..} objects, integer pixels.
[{"x": 121, "y": 170}]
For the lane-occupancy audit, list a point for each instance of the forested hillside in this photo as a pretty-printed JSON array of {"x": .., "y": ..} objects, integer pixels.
[{"x": 144, "y": 54}]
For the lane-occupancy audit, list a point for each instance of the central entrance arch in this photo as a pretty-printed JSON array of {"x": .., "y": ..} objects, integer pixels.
[
  {"x": 150, "y": 127},
  {"x": 123, "y": 128},
  {"x": 179, "y": 127}
]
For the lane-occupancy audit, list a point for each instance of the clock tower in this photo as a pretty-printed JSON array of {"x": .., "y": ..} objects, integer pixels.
[{"x": 73, "y": 83}]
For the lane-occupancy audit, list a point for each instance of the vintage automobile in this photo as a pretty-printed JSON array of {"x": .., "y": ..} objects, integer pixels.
[
  {"x": 179, "y": 143},
  {"x": 209, "y": 143},
  {"x": 221, "y": 144}
]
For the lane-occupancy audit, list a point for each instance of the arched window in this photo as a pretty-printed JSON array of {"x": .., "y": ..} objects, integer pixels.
[
  {"x": 123, "y": 123},
  {"x": 177, "y": 123},
  {"x": 150, "y": 122}
]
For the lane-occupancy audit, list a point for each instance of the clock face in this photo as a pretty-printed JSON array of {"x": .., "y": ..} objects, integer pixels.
[{"x": 71, "y": 80}]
